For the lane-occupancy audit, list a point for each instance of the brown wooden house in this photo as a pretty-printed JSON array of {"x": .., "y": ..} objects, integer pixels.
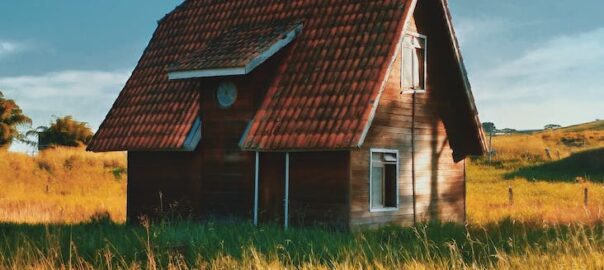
[{"x": 343, "y": 112}]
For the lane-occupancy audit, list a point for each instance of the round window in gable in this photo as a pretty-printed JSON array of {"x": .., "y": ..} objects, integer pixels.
[{"x": 226, "y": 94}]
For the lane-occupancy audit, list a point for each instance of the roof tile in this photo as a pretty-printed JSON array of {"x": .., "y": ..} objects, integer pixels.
[{"x": 320, "y": 98}]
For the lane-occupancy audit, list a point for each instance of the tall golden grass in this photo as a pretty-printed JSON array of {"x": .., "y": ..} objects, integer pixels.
[
  {"x": 547, "y": 226},
  {"x": 62, "y": 185},
  {"x": 532, "y": 147},
  {"x": 535, "y": 200}
]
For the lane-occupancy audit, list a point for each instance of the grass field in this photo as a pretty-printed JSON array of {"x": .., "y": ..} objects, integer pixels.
[
  {"x": 547, "y": 226},
  {"x": 62, "y": 185}
]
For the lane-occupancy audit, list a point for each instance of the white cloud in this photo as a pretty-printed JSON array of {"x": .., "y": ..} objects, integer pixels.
[
  {"x": 65, "y": 84},
  {"x": 87, "y": 95},
  {"x": 471, "y": 30},
  {"x": 10, "y": 48},
  {"x": 559, "y": 80}
]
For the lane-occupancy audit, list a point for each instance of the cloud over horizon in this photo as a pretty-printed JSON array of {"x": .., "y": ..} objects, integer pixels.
[
  {"x": 553, "y": 81},
  {"x": 86, "y": 95}
]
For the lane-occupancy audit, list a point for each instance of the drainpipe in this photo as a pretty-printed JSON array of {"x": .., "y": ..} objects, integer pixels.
[
  {"x": 286, "y": 203},
  {"x": 413, "y": 157},
  {"x": 256, "y": 179}
]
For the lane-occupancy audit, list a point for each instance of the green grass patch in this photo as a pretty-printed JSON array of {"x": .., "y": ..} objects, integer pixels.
[{"x": 191, "y": 245}]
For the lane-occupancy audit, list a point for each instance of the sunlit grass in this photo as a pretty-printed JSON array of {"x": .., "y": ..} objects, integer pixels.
[
  {"x": 538, "y": 200},
  {"x": 533, "y": 201},
  {"x": 546, "y": 227},
  {"x": 61, "y": 185}
]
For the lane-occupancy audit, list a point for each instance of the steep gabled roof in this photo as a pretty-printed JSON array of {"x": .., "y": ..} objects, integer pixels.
[{"x": 323, "y": 96}]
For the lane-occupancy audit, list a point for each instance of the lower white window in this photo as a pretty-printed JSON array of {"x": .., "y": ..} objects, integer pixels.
[{"x": 383, "y": 180}]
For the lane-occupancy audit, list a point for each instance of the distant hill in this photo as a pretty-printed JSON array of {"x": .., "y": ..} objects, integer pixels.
[
  {"x": 549, "y": 145},
  {"x": 597, "y": 125},
  {"x": 590, "y": 126}
]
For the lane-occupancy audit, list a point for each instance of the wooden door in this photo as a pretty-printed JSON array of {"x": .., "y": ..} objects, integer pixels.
[{"x": 271, "y": 187}]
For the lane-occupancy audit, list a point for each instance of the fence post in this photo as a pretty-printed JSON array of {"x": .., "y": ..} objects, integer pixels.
[
  {"x": 510, "y": 196},
  {"x": 585, "y": 196}
]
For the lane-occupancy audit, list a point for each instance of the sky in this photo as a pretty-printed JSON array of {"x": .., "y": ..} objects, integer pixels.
[{"x": 530, "y": 63}]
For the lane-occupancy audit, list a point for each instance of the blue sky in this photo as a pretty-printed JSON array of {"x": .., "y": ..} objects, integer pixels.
[{"x": 530, "y": 62}]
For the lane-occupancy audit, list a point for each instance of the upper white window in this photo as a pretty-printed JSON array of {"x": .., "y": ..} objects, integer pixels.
[
  {"x": 383, "y": 180},
  {"x": 413, "y": 70}
]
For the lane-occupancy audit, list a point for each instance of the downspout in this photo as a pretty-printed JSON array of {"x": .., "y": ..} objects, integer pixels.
[
  {"x": 286, "y": 203},
  {"x": 413, "y": 157},
  {"x": 465, "y": 193},
  {"x": 256, "y": 180}
]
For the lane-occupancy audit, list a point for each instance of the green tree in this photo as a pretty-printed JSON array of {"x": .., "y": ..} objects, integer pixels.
[
  {"x": 64, "y": 131},
  {"x": 11, "y": 119},
  {"x": 552, "y": 126},
  {"x": 489, "y": 127}
]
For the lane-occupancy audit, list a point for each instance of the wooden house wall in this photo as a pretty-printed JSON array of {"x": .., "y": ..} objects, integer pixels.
[
  {"x": 435, "y": 189},
  {"x": 318, "y": 188},
  {"x": 215, "y": 180}
]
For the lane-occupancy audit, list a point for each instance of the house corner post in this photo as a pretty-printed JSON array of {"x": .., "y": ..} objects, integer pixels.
[
  {"x": 286, "y": 201},
  {"x": 256, "y": 180}
]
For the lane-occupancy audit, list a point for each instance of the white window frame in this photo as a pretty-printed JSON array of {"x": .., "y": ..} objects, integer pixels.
[
  {"x": 391, "y": 151},
  {"x": 413, "y": 91}
]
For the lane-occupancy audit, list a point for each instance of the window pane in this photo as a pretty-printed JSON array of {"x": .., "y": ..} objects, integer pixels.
[
  {"x": 413, "y": 63},
  {"x": 376, "y": 156},
  {"x": 390, "y": 157},
  {"x": 377, "y": 187},
  {"x": 407, "y": 76},
  {"x": 416, "y": 64},
  {"x": 390, "y": 199},
  {"x": 419, "y": 43},
  {"x": 421, "y": 76}
]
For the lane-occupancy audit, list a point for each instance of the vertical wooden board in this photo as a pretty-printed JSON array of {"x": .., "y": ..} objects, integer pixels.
[
  {"x": 161, "y": 184},
  {"x": 319, "y": 184},
  {"x": 271, "y": 187}
]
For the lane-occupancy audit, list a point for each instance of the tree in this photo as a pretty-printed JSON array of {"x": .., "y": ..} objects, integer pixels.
[
  {"x": 489, "y": 127},
  {"x": 11, "y": 119},
  {"x": 552, "y": 126},
  {"x": 508, "y": 130},
  {"x": 64, "y": 131}
]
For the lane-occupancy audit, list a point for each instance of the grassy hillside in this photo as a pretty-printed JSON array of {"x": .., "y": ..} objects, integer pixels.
[
  {"x": 61, "y": 185},
  {"x": 597, "y": 125},
  {"x": 545, "y": 145},
  {"x": 586, "y": 165},
  {"x": 541, "y": 169}
]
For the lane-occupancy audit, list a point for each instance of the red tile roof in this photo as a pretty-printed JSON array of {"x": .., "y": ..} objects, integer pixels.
[
  {"x": 321, "y": 98},
  {"x": 237, "y": 47}
]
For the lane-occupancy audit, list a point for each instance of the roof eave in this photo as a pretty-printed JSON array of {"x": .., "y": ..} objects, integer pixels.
[
  {"x": 464, "y": 74},
  {"x": 384, "y": 76}
]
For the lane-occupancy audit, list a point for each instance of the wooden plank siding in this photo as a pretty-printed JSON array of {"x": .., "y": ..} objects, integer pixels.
[
  {"x": 318, "y": 188},
  {"x": 217, "y": 179},
  {"x": 425, "y": 156}
]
